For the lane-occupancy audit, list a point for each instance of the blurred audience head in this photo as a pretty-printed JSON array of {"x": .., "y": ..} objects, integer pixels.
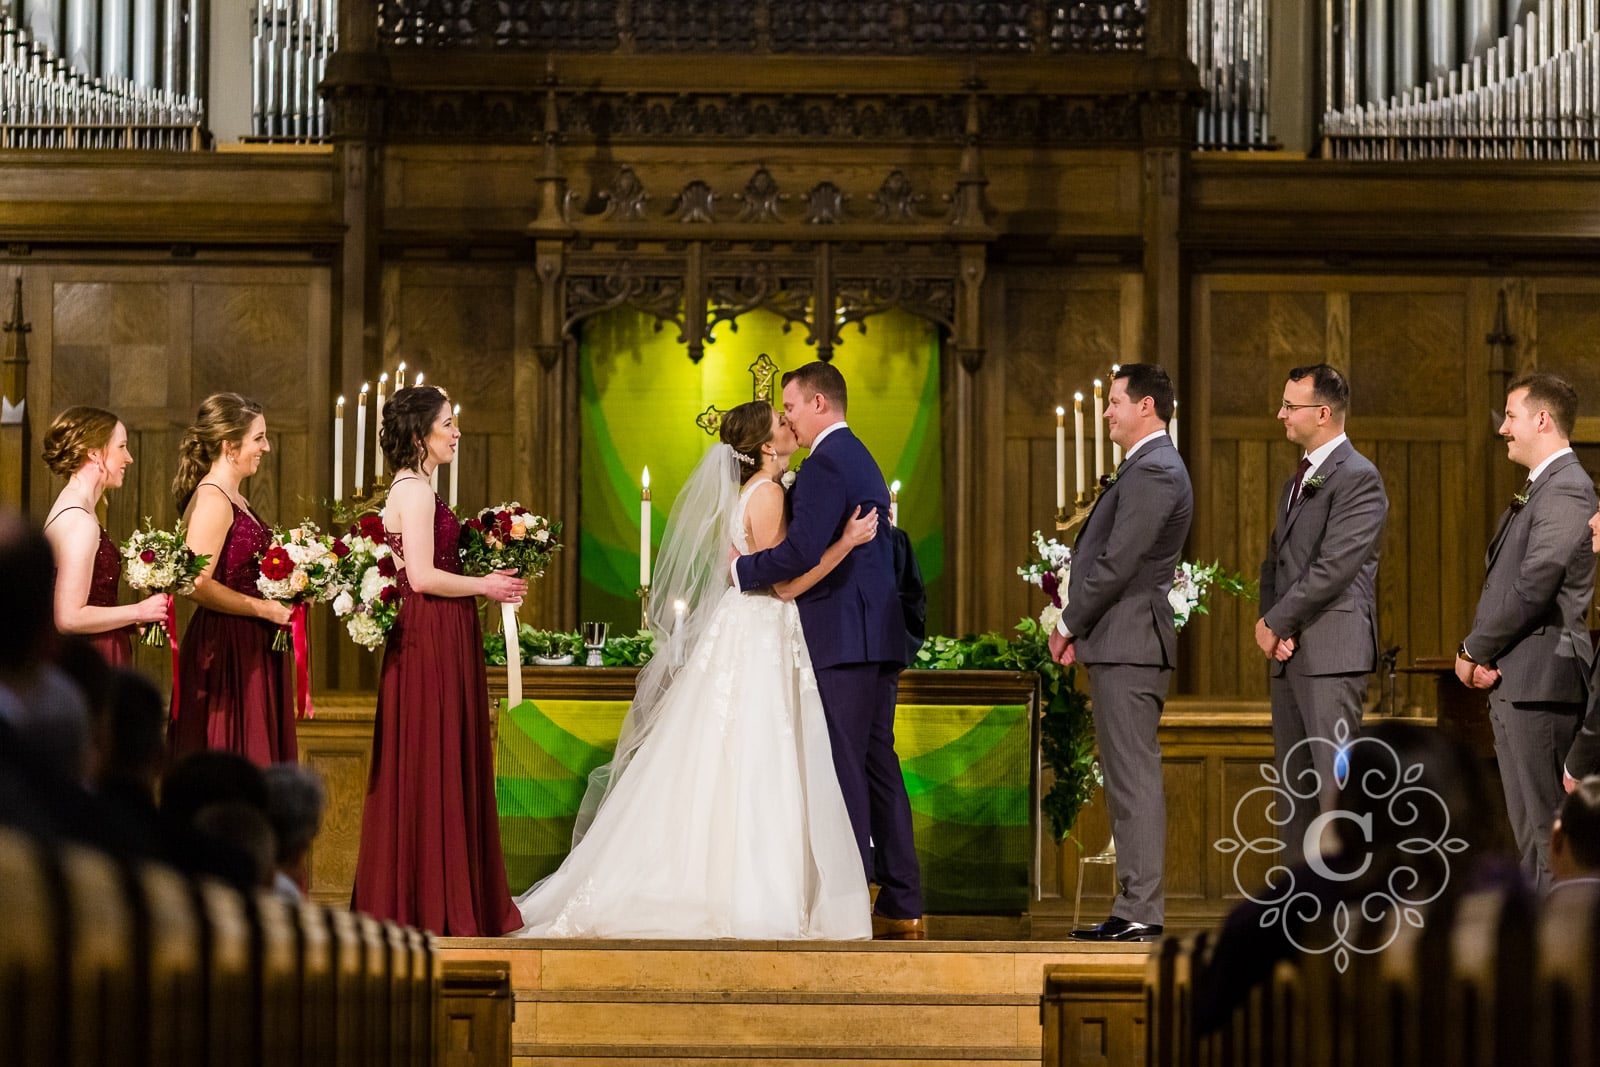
[
  {"x": 296, "y": 801},
  {"x": 28, "y": 575},
  {"x": 202, "y": 779},
  {"x": 1575, "y": 836},
  {"x": 245, "y": 828},
  {"x": 132, "y": 742}
]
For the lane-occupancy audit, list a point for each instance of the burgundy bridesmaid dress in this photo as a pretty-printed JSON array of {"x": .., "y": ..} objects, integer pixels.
[
  {"x": 233, "y": 692},
  {"x": 115, "y": 646},
  {"x": 430, "y": 834}
]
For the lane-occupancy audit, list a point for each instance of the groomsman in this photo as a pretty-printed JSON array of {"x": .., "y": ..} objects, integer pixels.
[
  {"x": 1529, "y": 644},
  {"x": 1319, "y": 617},
  {"x": 1118, "y": 623}
]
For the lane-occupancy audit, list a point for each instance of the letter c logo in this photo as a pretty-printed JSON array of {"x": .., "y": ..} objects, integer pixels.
[{"x": 1313, "y": 837}]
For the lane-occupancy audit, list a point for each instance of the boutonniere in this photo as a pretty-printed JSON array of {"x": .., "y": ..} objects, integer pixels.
[
  {"x": 787, "y": 481},
  {"x": 1312, "y": 484},
  {"x": 1108, "y": 480},
  {"x": 1519, "y": 501}
]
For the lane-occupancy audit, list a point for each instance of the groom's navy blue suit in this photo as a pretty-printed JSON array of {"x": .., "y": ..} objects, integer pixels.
[{"x": 856, "y": 632}]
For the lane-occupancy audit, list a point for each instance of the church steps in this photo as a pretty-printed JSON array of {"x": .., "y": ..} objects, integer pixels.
[{"x": 831, "y": 1004}]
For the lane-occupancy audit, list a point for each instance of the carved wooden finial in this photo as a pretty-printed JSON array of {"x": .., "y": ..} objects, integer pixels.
[{"x": 16, "y": 330}]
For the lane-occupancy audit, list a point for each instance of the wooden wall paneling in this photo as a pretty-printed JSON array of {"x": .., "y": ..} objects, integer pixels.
[
  {"x": 1221, "y": 670},
  {"x": 1017, "y": 599},
  {"x": 1184, "y": 779},
  {"x": 1337, "y": 352},
  {"x": 1427, "y": 635},
  {"x": 989, "y": 596},
  {"x": 1256, "y": 504},
  {"x": 1197, "y": 445},
  {"x": 1394, "y": 576}
]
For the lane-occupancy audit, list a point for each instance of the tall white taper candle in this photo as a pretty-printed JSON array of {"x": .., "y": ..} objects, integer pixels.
[
  {"x": 338, "y": 450},
  {"x": 1079, "y": 455},
  {"x": 1099, "y": 431},
  {"x": 455, "y": 461},
  {"x": 894, "y": 502},
  {"x": 644, "y": 531},
  {"x": 1061, "y": 458},
  {"x": 361, "y": 439},
  {"x": 377, "y": 429}
]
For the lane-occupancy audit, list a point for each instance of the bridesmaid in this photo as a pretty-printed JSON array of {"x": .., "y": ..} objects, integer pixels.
[
  {"x": 89, "y": 448},
  {"x": 232, "y": 693},
  {"x": 430, "y": 835}
]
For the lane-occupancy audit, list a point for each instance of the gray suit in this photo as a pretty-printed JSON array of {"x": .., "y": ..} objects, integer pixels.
[
  {"x": 1530, "y": 625},
  {"x": 1319, "y": 586},
  {"x": 1117, "y": 610}
]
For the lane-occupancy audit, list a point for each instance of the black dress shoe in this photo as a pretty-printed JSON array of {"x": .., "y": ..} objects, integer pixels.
[{"x": 1115, "y": 929}]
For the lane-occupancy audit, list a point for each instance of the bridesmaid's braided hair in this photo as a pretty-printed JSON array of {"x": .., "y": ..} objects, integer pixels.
[
  {"x": 75, "y": 433},
  {"x": 223, "y": 419},
  {"x": 745, "y": 429},
  {"x": 407, "y": 421}
]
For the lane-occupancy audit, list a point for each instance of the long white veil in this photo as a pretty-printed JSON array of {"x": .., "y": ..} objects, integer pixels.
[{"x": 692, "y": 570}]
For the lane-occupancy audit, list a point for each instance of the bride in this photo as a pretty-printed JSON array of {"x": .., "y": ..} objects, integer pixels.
[{"x": 720, "y": 814}]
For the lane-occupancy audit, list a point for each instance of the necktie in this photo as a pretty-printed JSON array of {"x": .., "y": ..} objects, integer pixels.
[{"x": 1299, "y": 480}]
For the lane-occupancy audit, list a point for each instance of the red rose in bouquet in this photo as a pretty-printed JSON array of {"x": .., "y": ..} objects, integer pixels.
[{"x": 276, "y": 564}]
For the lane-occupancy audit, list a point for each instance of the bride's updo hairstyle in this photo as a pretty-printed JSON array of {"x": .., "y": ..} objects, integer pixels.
[
  {"x": 407, "y": 421},
  {"x": 73, "y": 434},
  {"x": 223, "y": 419},
  {"x": 745, "y": 429}
]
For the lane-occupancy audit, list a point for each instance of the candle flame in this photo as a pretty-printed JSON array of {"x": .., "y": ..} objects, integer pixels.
[
  {"x": 894, "y": 486},
  {"x": 457, "y": 411},
  {"x": 363, "y": 388},
  {"x": 1077, "y": 397},
  {"x": 679, "y": 606},
  {"x": 418, "y": 382},
  {"x": 341, "y": 401},
  {"x": 385, "y": 376},
  {"x": 1060, "y": 411},
  {"x": 1097, "y": 383},
  {"x": 647, "y": 477}
]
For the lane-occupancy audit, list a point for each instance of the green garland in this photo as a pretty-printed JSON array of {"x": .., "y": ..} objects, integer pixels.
[{"x": 1066, "y": 728}]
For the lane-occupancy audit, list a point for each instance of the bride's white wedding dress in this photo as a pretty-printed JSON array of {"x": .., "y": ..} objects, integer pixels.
[{"x": 728, "y": 822}]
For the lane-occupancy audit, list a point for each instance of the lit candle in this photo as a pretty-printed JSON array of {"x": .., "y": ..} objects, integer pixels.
[
  {"x": 1116, "y": 449},
  {"x": 1099, "y": 432},
  {"x": 1077, "y": 427},
  {"x": 418, "y": 382},
  {"x": 894, "y": 502},
  {"x": 400, "y": 377},
  {"x": 377, "y": 426},
  {"x": 338, "y": 450},
  {"x": 433, "y": 478},
  {"x": 455, "y": 460},
  {"x": 678, "y": 607},
  {"x": 1172, "y": 427},
  {"x": 644, "y": 532},
  {"x": 361, "y": 439},
  {"x": 1061, "y": 458}
]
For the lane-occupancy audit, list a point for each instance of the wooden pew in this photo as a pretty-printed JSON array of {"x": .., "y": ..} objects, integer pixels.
[
  {"x": 103, "y": 976},
  {"x": 135, "y": 965},
  {"x": 32, "y": 1008},
  {"x": 174, "y": 968},
  {"x": 1564, "y": 1028}
]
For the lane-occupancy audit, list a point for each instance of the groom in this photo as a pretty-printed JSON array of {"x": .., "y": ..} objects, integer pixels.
[{"x": 856, "y": 632}]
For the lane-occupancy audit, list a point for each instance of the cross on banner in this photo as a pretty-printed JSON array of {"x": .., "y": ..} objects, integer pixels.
[{"x": 764, "y": 372}]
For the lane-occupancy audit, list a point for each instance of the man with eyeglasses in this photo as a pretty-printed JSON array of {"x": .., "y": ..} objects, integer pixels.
[
  {"x": 1529, "y": 644},
  {"x": 1319, "y": 617}
]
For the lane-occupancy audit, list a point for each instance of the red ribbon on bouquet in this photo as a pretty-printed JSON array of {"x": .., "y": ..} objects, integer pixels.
[
  {"x": 302, "y": 662},
  {"x": 172, "y": 643}
]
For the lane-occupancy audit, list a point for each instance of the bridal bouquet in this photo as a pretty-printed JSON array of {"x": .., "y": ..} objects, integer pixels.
[
  {"x": 160, "y": 561},
  {"x": 368, "y": 594},
  {"x": 1049, "y": 568},
  {"x": 508, "y": 538},
  {"x": 299, "y": 567}
]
